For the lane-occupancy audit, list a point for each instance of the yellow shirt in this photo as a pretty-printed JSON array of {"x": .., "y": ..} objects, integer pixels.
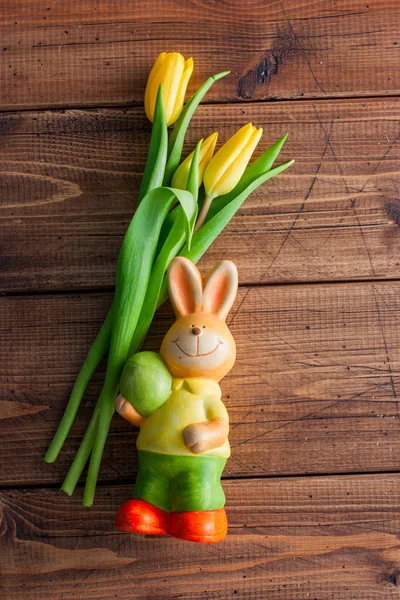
[{"x": 190, "y": 401}]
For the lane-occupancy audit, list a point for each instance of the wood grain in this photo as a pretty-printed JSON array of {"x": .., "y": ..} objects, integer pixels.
[
  {"x": 314, "y": 390},
  {"x": 78, "y": 54},
  {"x": 298, "y": 538},
  {"x": 69, "y": 181}
]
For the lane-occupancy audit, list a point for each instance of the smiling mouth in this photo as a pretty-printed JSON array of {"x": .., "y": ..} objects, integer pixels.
[{"x": 196, "y": 355}]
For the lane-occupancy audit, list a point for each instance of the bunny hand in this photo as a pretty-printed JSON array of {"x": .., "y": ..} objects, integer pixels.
[
  {"x": 126, "y": 410},
  {"x": 200, "y": 437}
]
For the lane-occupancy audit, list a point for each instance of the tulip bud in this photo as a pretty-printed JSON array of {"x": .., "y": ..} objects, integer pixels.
[
  {"x": 227, "y": 166},
  {"x": 180, "y": 177},
  {"x": 173, "y": 72}
]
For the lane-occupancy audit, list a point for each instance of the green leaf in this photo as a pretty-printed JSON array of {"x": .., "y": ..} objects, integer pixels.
[
  {"x": 171, "y": 248},
  {"x": 256, "y": 169},
  {"x": 192, "y": 184},
  {"x": 173, "y": 243},
  {"x": 136, "y": 259},
  {"x": 207, "y": 234},
  {"x": 192, "y": 187},
  {"x": 156, "y": 160},
  {"x": 189, "y": 206},
  {"x": 263, "y": 163},
  {"x": 203, "y": 239},
  {"x": 178, "y": 135},
  {"x": 133, "y": 272}
]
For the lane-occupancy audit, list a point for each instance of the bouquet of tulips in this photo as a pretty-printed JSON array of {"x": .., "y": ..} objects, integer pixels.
[{"x": 181, "y": 209}]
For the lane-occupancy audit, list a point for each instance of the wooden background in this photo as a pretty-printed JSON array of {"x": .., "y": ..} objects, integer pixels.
[{"x": 313, "y": 485}]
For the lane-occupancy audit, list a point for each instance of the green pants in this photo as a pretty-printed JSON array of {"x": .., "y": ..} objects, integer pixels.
[{"x": 180, "y": 483}]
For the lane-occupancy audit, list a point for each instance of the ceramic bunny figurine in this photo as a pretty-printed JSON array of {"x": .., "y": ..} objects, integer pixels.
[{"x": 183, "y": 445}]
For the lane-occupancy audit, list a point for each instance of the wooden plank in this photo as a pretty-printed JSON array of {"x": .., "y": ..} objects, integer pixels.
[
  {"x": 321, "y": 537},
  {"x": 69, "y": 180},
  {"x": 315, "y": 388},
  {"x": 76, "y": 54}
]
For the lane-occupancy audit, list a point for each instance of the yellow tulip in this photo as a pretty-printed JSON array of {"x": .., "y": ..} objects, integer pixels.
[
  {"x": 228, "y": 165},
  {"x": 173, "y": 73},
  {"x": 181, "y": 175},
  {"x": 225, "y": 169}
]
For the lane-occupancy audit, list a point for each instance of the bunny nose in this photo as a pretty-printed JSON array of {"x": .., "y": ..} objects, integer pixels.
[{"x": 196, "y": 330}]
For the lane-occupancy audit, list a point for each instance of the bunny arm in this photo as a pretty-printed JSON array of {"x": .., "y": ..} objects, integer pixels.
[
  {"x": 206, "y": 435},
  {"x": 126, "y": 410}
]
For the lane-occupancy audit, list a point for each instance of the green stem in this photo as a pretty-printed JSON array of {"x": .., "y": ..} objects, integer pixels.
[
  {"x": 106, "y": 411},
  {"x": 157, "y": 156},
  {"x": 175, "y": 144},
  {"x": 203, "y": 213},
  {"x": 93, "y": 358},
  {"x": 81, "y": 457}
]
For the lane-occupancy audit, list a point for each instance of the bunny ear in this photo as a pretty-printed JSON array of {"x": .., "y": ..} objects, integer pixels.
[
  {"x": 185, "y": 286},
  {"x": 220, "y": 288}
]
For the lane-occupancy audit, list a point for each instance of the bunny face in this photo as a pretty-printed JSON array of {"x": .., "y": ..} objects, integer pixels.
[{"x": 200, "y": 344}]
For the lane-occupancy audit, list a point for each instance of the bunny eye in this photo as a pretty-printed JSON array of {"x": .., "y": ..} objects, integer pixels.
[{"x": 204, "y": 326}]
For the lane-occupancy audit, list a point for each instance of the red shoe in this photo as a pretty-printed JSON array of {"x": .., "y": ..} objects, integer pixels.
[
  {"x": 207, "y": 527},
  {"x": 142, "y": 517}
]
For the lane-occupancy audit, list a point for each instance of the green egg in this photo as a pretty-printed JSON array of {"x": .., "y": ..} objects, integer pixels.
[{"x": 145, "y": 382}]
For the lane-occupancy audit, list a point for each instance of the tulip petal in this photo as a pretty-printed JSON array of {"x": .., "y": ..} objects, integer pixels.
[
  {"x": 253, "y": 171},
  {"x": 214, "y": 172},
  {"x": 180, "y": 96},
  {"x": 179, "y": 180},
  {"x": 207, "y": 150},
  {"x": 236, "y": 169},
  {"x": 168, "y": 70},
  {"x": 153, "y": 83},
  {"x": 172, "y": 75}
]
